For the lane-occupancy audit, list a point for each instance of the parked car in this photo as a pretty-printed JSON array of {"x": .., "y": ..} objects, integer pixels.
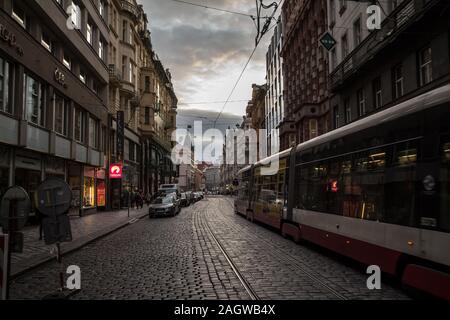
[
  {"x": 190, "y": 197},
  {"x": 197, "y": 196},
  {"x": 166, "y": 189},
  {"x": 164, "y": 206},
  {"x": 202, "y": 195},
  {"x": 185, "y": 200}
]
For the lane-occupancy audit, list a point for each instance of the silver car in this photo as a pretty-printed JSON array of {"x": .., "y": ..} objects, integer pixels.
[{"x": 164, "y": 207}]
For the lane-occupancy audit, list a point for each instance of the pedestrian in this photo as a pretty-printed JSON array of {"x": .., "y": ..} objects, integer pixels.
[{"x": 148, "y": 199}]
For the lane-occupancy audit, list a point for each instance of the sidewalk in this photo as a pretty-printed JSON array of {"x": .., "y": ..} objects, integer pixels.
[{"x": 84, "y": 230}]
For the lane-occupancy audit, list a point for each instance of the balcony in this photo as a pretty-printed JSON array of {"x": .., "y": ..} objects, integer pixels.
[
  {"x": 129, "y": 7},
  {"x": 114, "y": 75},
  {"x": 400, "y": 19}
]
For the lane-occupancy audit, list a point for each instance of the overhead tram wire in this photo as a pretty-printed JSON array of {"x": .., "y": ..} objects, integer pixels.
[
  {"x": 242, "y": 72},
  {"x": 213, "y": 8}
]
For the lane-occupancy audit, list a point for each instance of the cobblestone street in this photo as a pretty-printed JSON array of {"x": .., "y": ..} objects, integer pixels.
[{"x": 179, "y": 258}]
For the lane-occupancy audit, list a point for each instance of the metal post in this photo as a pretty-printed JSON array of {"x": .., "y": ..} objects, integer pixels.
[
  {"x": 61, "y": 271},
  {"x": 10, "y": 232}
]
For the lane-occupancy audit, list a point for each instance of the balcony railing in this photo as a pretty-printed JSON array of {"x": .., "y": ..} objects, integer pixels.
[
  {"x": 114, "y": 74},
  {"x": 391, "y": 27},
  {"x": 129, "y": 7}
]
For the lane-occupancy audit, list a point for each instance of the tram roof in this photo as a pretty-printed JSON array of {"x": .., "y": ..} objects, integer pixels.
[{"x": 413, "y": 105}]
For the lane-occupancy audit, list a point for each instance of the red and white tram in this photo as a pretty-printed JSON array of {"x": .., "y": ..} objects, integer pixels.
[{"x": 376, "y": 190}]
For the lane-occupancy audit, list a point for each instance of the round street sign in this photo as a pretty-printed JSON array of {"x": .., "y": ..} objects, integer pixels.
[
  {"x": 53, "y": 197},
  {"x": 115, "y": 171},
  {"x": 15, "y": 218}
]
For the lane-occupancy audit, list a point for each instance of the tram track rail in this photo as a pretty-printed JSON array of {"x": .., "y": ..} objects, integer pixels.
[
  {"x": 201, "y": 220},
  {"x": 283, "y": 255}
]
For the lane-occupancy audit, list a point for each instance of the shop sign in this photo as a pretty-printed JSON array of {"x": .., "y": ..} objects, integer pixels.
[
  {"x": 115, "y": 171},
  {"x": 120, "y": 135},
  {"x": 101, "y": 195},
  {"x": 10, "y": 38}
]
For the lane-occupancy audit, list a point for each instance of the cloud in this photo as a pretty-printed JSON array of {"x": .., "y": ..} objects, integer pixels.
[{"x": 206, "y": 49}]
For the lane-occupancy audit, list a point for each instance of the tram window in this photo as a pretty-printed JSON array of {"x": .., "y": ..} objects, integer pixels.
[
  {"x": 364, "y": 190},
  {"x": 400, "y": 185},
  {"x": 444, "y": 221}
]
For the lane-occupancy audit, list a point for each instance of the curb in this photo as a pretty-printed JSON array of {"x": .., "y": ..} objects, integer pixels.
[{"x": 70, "y": 247}]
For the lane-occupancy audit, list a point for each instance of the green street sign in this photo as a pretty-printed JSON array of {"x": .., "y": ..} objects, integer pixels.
[{"x": 327, "y": 41}]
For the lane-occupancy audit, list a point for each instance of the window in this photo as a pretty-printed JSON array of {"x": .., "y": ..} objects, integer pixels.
[
  {"x": 377, "y": 94},
  {"x": 93, "y": 133},
  {"x": 357, "y": 32},
  {"x": 336, "y": 116},
  {"x": 61, "y": 114},
  {"x": 147, "y": 116},
  {"x": 397, "y": 74},
  {"x": 67, "y": 62},
  {"x": 101, "y": 8},
  {"x": 124, "y": 66},
  {"x": 332, "y": 12},
  {"x": 400, "y": 187},
  {"x": 130, "y": 35},
  {"x": 344, "y": 46},
  {"x": 342, "y": 6},
  {"x": 348, "y": 110},
  {"x": 5, "y": 86},
  {"x": 131, "y": 151},
  {"x": 101, "y": 50},
  {"x": 19, "y": 14},
  {"x": 124, "y": 31},
  {"x": 444, "y": 221},
  {"x": 131, "y": 71},
  {"x": 79, "y": 125},
  {"x": 333, "y": 59},
  {"x": 75, "y": 15},
  {"x": 89, "y": 33},
  {"x": 83, "y": 76},
  {"x": 425, "y": 67},
  {"x": 46, "y": 42},
  {"x": 147, "y": 84},
  {"x": 361, "y": 98},
  {"x": 95, "y": 87},
  {"x": 34, "y": 100},
  {"x": 313, "y": 132}
]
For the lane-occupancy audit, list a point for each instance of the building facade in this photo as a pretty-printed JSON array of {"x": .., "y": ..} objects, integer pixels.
[
  {"x": 142, "y": 90},
  {"x": 66, "y": 69},
  {"x": 274, "y": 108},
  {"x": 305, "y": 71},
  {"x": 54, "y": 98},
  {"x": 375, "y": 70}
]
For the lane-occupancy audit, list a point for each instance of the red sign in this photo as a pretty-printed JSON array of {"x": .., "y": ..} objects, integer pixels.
[
  {"x": 115, "y": 171},
  {"x": 101, "y": 194},
  {"x": 334, "y": 186}
]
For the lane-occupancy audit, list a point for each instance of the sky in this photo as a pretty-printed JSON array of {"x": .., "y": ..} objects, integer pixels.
[{"x": 206, "y": 51}]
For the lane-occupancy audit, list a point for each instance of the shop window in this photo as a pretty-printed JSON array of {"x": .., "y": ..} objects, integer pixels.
[
  {"x": 34, "y": 100},
  {"x": 89, "y": 192},
  {"x": 5, "y": 86}
]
